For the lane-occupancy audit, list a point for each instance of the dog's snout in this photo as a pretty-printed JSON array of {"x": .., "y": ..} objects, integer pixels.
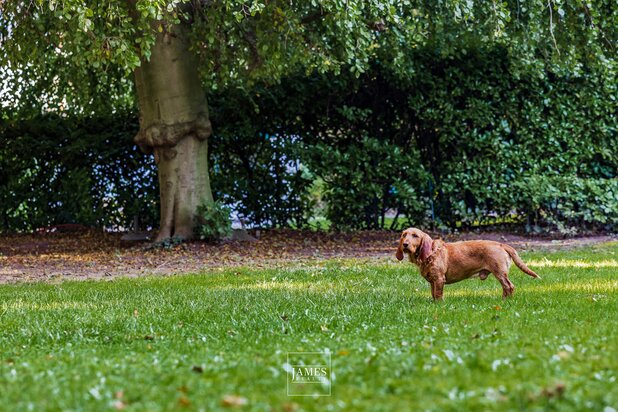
[{"x": 405, "y": 244}]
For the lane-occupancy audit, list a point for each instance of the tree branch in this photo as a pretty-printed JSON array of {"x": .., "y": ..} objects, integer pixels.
[{"x": 551, "y": 26}]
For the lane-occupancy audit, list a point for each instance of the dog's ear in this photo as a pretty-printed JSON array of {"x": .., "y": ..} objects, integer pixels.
[
  {"x": 399, "y": 254},
  {"x": 426, "y": 245}
]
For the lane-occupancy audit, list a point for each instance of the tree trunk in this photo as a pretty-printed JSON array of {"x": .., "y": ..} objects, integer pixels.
[{"x": 174, "y": 126}]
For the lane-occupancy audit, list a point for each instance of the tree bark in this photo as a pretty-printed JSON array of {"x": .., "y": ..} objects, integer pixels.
[{"x": 174, "y": 126}]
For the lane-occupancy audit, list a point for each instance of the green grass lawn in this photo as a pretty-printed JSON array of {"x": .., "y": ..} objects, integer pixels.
[{"x": 185, "y": 342}]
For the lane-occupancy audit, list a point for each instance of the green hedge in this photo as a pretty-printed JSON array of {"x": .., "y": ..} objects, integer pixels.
[
  {"x": 55, "y": 170},
  {"x": 454, "y": 142},
  {"x": 462, "y": 142}
]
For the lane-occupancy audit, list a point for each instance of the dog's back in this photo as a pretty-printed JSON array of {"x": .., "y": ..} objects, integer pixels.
[{"x": 470, "y": 257}]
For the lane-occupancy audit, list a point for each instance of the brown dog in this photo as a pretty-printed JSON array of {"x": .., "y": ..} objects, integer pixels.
[{"x": 444, "y": 263}]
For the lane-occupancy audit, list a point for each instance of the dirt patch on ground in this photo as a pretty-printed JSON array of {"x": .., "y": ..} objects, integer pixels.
[{"x": 93, "y": 255}]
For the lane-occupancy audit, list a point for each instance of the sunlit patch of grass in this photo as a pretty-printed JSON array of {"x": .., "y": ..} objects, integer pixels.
[
  {"x": 577, "y": 263},
  {"x": 56, "y": 305},
  {"x": 474, "y": 292},
  {"x": 595, "y": 285},
  {"x": 185, "y": 342}
]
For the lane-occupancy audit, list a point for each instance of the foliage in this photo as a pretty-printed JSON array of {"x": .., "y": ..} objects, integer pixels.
[
  {"x": 488, "y": 132},
  {"x": 213, "y": 221},
  {"x": 255, "y": 157},
  {"x": 167, "y": 343},
  {"x": 77, "y": 56},
  {"x": 57, "y": 170},
  {"x": 365, "y": 180},
  {"x": 455, "y": 142},
  {"x": 569, "y": 203},
  {"x": 471, "y": 141},
  {"x": 433, "y": 110}
]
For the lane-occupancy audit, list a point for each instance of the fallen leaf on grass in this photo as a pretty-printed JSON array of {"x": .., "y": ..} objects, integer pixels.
[
  {"x": 233, "y": 401},
  {"x": 184, "y": 401},
  {"x": 290, "y": 407},
  {"x": 558, "y": 390}
]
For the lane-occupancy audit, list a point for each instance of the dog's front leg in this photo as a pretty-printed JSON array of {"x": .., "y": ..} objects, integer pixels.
[{"x": 437, "y": 288}]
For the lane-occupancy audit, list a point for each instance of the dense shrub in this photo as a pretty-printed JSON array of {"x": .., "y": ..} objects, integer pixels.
[
  {"x": 569, "y": 203},
  {"x": 254, "y": 156},
  {"x": 478, "y": 144},
  {"x": 367, "y": 179},
  {"x": 488, "y": 132},
  {"x": 455, "y": 141},
  {"x": 55, "y": 170}
]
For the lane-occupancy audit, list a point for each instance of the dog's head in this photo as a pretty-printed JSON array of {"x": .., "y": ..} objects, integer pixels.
[{"x": 416, "y": 243}]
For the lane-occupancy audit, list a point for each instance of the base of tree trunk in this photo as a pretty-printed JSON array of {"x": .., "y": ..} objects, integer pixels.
[{"x": 184, "y": 185}]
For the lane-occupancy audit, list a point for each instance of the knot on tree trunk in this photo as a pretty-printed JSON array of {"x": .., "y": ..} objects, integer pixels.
[{"x": 160, "y": 134}]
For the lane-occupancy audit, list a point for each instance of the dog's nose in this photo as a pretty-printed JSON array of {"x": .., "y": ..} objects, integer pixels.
[{"x": 405, "y": 245}]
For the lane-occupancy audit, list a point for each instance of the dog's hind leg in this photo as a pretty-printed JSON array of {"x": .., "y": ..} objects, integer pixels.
[{"x": 507, "y": 286}]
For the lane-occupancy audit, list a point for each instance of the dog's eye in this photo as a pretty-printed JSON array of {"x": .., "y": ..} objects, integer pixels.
[{"x": 414, "y": 235}]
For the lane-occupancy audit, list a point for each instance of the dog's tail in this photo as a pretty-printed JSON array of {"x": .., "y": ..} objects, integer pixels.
[{"x": 518, "y": 262}]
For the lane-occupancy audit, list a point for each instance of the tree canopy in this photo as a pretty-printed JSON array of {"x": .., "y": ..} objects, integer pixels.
[{"x": 78, "y": 55}]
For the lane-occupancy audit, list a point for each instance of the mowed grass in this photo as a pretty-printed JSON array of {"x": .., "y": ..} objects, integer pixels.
[{"x": 185, "y": 342}]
